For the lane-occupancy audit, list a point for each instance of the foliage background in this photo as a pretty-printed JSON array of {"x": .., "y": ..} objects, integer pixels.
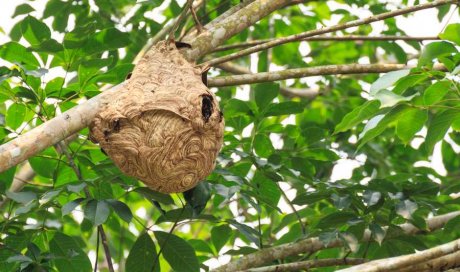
[{"x": 273, "y": 181}]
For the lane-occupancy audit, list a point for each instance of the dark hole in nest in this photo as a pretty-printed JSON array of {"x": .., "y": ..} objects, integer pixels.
[{"x": 206, "y": 107}]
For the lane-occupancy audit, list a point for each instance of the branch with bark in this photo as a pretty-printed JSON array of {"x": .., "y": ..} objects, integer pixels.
[
  {"x": 331, "y": 38},
  {"x": 325, "y": 30},
  {"x": 314, "y": 244},
  {"x": 309, "y": 71},
  {"x": 396, "y": 263},
  {"x": 305, "y": 265}
]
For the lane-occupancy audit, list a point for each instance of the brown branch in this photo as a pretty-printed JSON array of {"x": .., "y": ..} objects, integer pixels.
[
  {"x": 313, "y": 244},
  {"x": 307, "y": 72},
  {"x": 330, "y": 38},
  {"x": 288, "y": 92},
  {"x": 438, "y": 264},
  {"x": 325, "y": 30},
  {"x": 396, "y": 263},
  {"x": 305, "y": 265}
]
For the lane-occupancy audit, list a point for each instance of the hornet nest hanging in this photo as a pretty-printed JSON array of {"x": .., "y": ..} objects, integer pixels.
[{"x": 165, "y": 128}]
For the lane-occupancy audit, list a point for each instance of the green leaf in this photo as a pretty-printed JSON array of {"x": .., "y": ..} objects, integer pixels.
[
  {"x": 22, "y": 9},
  {"x": 378, "y": 233},
  {"x": 263, "y": 145},
  {"x": 16, "y": 53},
  {"x": 45, "y": 166},
  {"x": 452, "y": 33},
  {"x": 284, "y": 108},
  {"x": 35, "y": 31},
  {"x": 179, "y": 254},
  {"x": 359, "y": 114},
  {"x": 435, "y": 50},
  {"x": 379, "y": 123},
  {"x": 412, "y": 122},
  {"x": 235, "y": 107},
  {"x": 438, "y": 127},
  {"x": 68, "y": 254},
  {"x": 198, "y": 197},
  {"x": 97, "y": 211},
  {"x": 371, "y": 197},
  {"x": 219, "y": 236},
  {"x": 436, "y": 92},
  {"x": 15, "y": 115},
  {"x": 70, "y": 206},
  {"x": 335, "y": 219},
  {"x": 389, "y": 99},
  {"x": 310, "y": 198},
  {"x": 388, "y": 80},
  {"x": 406, "y": 208},
  {"x": 143, "y": 256},
  {"x": 264, "y": 93},
  {"x": 21, "y": 197},
  {"x": 121, "y": 209},
  {"x": 155, "y": 196},
  {"x": 105, "y": 40}
]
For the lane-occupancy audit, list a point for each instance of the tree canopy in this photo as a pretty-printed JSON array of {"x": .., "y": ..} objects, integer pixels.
[{"x": 307, "y": 88}]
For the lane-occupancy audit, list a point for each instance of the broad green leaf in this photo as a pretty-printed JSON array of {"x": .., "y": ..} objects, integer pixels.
[
  {"x": 379, "y": 123},
  {"x": 409, "y": 81},
  {"x": 438, "y": 127},
  {"x": 263, "y": 145},
  {"x": 310, "y": 198},
  {"x": 198, "y": 197},
  {"x": 68, "y": 254},
  {"x": 45, "y": 166},
  {"x": 70, "y": 206},
  {"x": 115, "y": 75},
  {"x": 6, "y": 178},
  {"x": 97, "y": 211},
  {"x": 106, "y": 39},
  {"x": 378, "y": 233},
  {"x": 388, "y": 80},
  {"x": 235, "y": 107},
  {"x": 21, "y": 197},
  {"x": 335, "y": 219},
  {"x": 143, "y": 256},
  {"x": 15, "y": 115},
  {"x": 264, "y": 93},
  {"x": 406, "y": 208},
  {"x": 248, "y": 232},
  {"x": 35, "y": 31},
  {"x": 389, "y": 99},
  {"x": 435, "y": 50},
  {"x": 22, "y": 9},
  {"x": 371, "y": 197},
  {"x": 121, "y": 209},
  {"x": 452, "y": 33},
  {"x": 219, "y": 236},
  {"x": 155, "y": 196},
  {"x": 16, "y": 53},
  {"x": 359, "y": 114},
  {"x": 284, "y": 108},
  {"x": 436, "y": 92},
  {"x": 412, "y": 122},
  {"x": 179, "y": 254}
]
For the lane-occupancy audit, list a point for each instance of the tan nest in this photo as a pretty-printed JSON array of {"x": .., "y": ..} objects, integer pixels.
[{"x": 165, "y": 128}]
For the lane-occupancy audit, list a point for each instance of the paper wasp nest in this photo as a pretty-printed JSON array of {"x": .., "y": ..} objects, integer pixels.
[{"x": 165, "y": 128}]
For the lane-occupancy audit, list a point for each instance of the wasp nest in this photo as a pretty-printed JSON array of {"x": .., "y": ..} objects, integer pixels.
[{"x": 165, "y": 128}]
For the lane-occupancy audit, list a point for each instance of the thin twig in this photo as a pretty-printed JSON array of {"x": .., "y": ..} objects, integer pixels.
[
  {"x": 331, "y": 38},
  {"x": 325, "y": 30},
  {"x": 181, "y": 17},
  {"x": 197, "y": 21},
  {"x": 307, "y": 72}
]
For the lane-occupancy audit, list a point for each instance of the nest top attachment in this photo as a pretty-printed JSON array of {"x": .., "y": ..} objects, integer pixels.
[{"x": 165, "y": 128}]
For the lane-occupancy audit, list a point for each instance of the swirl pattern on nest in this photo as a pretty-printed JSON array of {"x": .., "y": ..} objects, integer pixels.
[{"x": 165, "y": 128}]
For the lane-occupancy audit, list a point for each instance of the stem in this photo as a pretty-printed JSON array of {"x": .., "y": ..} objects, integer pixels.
[
  {"x": 307, "y": 72},
  {"x": 179, "y": 20},
  {"x": 105, "y": 244},
  {"x": 330, "y": 38},
  {"x": 334, "y": 28}
]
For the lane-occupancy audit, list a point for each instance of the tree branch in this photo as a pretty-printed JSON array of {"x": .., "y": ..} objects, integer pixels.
[
  {"x": 438, "y": 264},
  {"x": 330, "y": 38},
  {"x": 313, "y": 244},
  {"x": 396, "y": 263},
  {"x": 79, "y": 117},
  {"x": 307, "y": 72},
  {"x": 305, "y": 265},
  {"x": 334, "y": 28},
  {"x": 288, "y": 92}
]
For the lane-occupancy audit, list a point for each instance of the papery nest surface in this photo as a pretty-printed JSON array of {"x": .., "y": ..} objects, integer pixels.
[{"x": 165, "y": 127}]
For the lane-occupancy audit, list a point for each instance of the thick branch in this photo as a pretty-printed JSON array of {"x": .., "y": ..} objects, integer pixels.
[
  {"x": 305, "y": 265},
  {"x": 325, "y": 30},
  {"x": 396, "y": 263},
  {"x": 438, "y": 264},
  {"x": 311, "y": 245},
  {"x": 307, "y": 72},
  {"x": 330, "y": 38},
  {"x": 79, "y": 117},
  {"x": 238, "y": 21},
  {"x": 288, "y": 92}
]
